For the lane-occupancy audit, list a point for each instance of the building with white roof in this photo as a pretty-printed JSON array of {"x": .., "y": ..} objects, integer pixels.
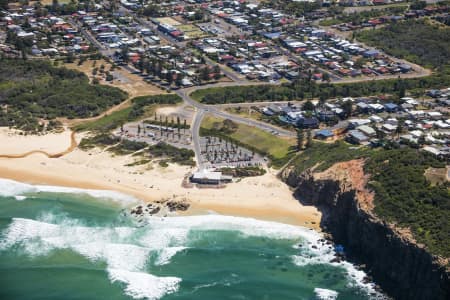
[{"x": 209, "y": 177}]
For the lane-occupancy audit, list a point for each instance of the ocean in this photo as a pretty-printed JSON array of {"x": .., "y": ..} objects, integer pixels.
[{"x": 65, "y": 243}]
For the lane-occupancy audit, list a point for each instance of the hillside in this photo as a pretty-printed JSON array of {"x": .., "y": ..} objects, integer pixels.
[{"x": 402, "y": 193}]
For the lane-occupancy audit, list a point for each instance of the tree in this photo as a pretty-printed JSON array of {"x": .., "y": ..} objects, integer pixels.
[
  {"x": 322, "y": 99},
  {"x": 418, "y": 5},
  {"x": 380, "y": 133},
  {"x": 204, "y": 74},
  {"x": 308, "y": 138},
  {"x": 216, "y": 71},
  {"x": 300, "y": 139},
  {"x": 124, "y": 54},
  {"x": 360, "y": 62},
  {"x": 179, "y": 79},
  {"x": 308, "y": 106},
  {"x": 347, "y": 107},
  {"x": 421, "y": 140},
  {"x": 399, "y": 128},
  {"x": 141, "y": 65}
]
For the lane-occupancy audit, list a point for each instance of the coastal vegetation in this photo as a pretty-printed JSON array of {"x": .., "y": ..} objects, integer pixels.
[
  {"x": 248, "y": 171},
  {"x": 140, "y": 107},
  {"x": 278, "y": 149},
  {"x": 172, "y": 154},
  {"x": 403, "y": 195},
  {"x": 34, "y": 91},
  {"x": 165, "y": 152},
  {"x": 127, "y": 147},
  {"x": 417, "y": 41},
  {"x": 321, "y": 156},
  {"x": 100, "y": 140}
]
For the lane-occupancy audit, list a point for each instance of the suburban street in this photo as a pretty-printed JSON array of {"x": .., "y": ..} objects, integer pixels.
[{"x": 236, "y": 80}]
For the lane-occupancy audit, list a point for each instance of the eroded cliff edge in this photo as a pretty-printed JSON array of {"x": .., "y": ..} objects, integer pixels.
[{"x": 402, "y": 267}]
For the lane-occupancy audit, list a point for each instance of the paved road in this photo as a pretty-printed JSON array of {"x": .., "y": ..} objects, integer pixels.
[
  {"x": 202, "y": 109},
  {"x": 230, "y": 74},
  {"x": 195, "y": 128},
  {"x": 212, "y": 109}
]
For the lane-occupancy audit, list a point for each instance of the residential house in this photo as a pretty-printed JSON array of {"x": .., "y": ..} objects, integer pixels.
[{"x": 356, "y": 137}]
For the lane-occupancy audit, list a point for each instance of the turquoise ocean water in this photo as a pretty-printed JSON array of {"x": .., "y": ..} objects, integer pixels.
[{"x": 61, "y": 243}]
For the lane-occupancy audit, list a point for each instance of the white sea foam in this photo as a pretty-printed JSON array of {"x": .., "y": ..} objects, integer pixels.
[
  {"x": 10, "y": 188},
  {"x": 144, "y": 286},
  {"x": 126, "y": 250},
  {"x": 117, "y": 256},
  {"x": 247, "y": 226},
  {"x": 20, "y": 198},
  {"x": 325, "y": 294},
  {"x": 166, "y": 254},
  {"x": 160, "y": 237},
  {"x": 125, "y": 262},
  {"x": 315, "y": 252}
]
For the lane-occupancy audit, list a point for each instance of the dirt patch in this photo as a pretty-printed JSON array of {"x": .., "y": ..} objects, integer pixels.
[
  {"x": 437, "y": 175},
  {"x": 123, "y": 79},
  {"x": 352, "y": 177},
  {"x": 181, "y": 111}
]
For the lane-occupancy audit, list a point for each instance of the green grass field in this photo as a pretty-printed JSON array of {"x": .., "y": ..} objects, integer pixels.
[
  {"x": 106, "y": 123},
  {"x": 279, "y": 149}
]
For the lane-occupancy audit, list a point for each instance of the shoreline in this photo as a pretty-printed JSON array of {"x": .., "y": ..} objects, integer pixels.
[
  {"x": 197, "y": 207},
  {"x": 264, "y": 197}
]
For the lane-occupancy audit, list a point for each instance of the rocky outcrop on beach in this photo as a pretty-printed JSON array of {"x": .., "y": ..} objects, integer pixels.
[
  {"x": 160, "y": 208},
  {"x": 402, "y": 267}
]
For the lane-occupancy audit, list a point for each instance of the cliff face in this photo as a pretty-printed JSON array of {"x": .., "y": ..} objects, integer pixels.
[{"x": 403, "y": 269}]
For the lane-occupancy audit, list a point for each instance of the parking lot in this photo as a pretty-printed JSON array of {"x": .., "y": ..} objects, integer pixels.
[{"x": 217, "y": 152}]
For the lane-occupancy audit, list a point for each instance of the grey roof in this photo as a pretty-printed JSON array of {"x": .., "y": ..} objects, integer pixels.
[{"x": 358, "y": 135}]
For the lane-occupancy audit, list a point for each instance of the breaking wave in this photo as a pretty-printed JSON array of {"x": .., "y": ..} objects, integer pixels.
[
  {"x": 129, "y": 252},
  {"x": 125, "y": 254},
  {"x": 315, "y": 252},
  {"x": 325, "y": 294},
  {"x": 11, "y": 188}
]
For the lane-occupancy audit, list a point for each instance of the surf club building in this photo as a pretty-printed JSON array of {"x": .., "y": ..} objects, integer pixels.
[{"x": 209, "y": 177}]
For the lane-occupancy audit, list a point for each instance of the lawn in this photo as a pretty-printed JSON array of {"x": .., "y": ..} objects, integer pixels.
[
  {"x": 192, "y": 31},
  {"x": 278, "y": 149},
  {"x": 245, "y": 112}
]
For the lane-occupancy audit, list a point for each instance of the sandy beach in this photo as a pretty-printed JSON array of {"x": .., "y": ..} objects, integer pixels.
[{"x": 264, "y": 197}]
